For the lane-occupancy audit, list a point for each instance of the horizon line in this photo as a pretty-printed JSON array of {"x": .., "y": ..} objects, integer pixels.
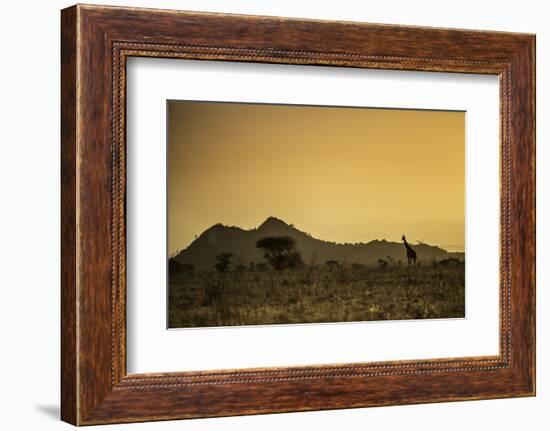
[{"x": 292, "y": 226}]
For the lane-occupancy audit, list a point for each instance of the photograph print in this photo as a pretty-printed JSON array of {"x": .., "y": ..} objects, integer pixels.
[{"x": 294, "y": 214}]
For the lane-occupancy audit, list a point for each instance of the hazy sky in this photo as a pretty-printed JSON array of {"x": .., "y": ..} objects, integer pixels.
[{"x": 341, "y": 174}]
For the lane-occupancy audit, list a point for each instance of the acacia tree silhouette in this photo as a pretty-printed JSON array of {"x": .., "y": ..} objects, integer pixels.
[{"x": 280, "y": 252}]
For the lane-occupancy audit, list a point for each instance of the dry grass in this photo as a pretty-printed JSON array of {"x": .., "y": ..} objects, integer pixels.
[{"x": 315, "y": 294}]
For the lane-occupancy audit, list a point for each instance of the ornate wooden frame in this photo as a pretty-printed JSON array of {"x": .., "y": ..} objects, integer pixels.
[{"x": 95, "y": 43}]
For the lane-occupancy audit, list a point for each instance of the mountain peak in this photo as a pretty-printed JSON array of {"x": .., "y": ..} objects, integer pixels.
[
  {"x": 241, "y": 243},
  {"x": 271, "y": 222},
  {"x": 216, "y": 227}
]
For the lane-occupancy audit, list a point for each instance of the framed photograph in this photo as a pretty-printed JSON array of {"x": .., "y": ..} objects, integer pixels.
[
  {"x": 264, "y": 214},
  {"x": 333, "y": 171}
]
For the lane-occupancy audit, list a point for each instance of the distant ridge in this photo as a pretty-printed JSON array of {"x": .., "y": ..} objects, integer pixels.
[{"x": 201, "y": 253}]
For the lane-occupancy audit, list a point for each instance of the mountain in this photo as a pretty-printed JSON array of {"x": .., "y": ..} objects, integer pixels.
[{"x": 202, "y": 252}]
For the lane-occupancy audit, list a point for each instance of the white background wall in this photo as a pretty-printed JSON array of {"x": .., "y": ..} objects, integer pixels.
[{"x": 29, "y": 215}]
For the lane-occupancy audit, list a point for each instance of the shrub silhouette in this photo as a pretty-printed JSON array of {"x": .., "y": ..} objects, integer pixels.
[
  {"x": 332, "y": 264},
  {"x": 280, "y": 252},
  {"x": 174, "y": 267},
  {"x": 382, "y": 264},
  {"x": 224, "y": 262},
  {"x": 450, "y": 261}
]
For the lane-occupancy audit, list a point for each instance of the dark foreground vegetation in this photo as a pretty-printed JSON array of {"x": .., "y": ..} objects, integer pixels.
[{"x": 259, "y": 294}]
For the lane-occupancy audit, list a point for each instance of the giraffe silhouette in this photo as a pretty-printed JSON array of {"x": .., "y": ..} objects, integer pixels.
[{"x": 411, "y": 254}]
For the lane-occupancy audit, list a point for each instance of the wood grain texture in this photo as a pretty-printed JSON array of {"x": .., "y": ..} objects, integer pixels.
[
  {"x": 96, "y": 41},
  {"x": 69, "y": 397}
]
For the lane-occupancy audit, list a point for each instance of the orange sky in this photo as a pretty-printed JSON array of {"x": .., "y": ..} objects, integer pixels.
[{"x": 341, "y": 174}]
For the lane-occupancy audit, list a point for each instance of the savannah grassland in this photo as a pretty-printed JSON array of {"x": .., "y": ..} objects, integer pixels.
[{"x": 314, "y": 294}]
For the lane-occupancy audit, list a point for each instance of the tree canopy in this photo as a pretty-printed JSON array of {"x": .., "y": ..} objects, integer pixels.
[{"x": 280, "y": 252}]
